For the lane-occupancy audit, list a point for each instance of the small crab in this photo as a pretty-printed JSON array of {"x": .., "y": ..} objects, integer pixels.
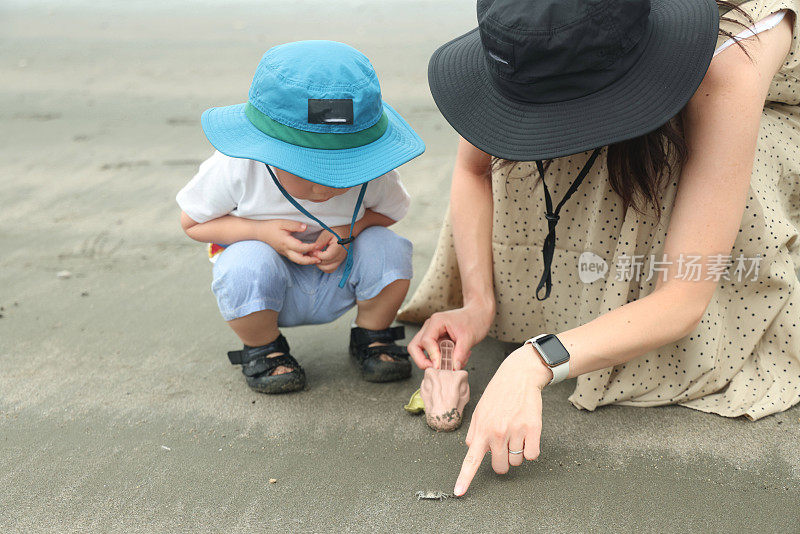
[{"x": 431, "y": 495}]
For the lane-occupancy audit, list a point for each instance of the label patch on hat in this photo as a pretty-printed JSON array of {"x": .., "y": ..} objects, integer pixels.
[
  {"x": 499, "y": 52},
  {"x": 330, "y": 111}
]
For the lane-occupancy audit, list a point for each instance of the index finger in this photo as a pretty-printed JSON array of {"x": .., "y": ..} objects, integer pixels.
[
  {"x": 472, "y": 461},
  {"x": 431, "y": 346},
  {"x": 322, "y": 239},
  {"x": 329, "y": 252},
  {"x": 301, "y": 259},
  {"x": 292, "y": 243},
  {"x": 415, "y": 350},
  {"x": 429, "y": 338}
]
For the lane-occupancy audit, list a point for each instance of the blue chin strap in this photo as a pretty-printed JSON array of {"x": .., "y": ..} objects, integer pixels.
[{"x": 346, "y": 242}]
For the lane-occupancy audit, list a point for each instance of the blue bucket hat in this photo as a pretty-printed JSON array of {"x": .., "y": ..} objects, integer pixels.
[{"x": 315, "y": 111}]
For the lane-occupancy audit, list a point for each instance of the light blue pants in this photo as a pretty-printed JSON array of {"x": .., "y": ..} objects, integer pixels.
[{"x": 249, "y": 276}]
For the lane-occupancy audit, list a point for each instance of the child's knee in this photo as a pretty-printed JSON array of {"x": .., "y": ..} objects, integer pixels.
[
  {"x": 249, "y": 263},
  {"x": 378, "y": 244},
  {"x": 381, "y": 257}
]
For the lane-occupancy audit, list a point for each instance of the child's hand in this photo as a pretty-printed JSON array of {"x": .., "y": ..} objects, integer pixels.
[
  {"x": 277, "y": 233},
  {"x": 327, "y": 249}
]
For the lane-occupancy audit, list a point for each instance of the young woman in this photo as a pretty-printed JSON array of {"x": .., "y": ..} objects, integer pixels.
[{"x": 668, "y": 250}]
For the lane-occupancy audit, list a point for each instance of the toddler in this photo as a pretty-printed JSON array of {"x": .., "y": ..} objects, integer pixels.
[{"x": 295, "y": 234}]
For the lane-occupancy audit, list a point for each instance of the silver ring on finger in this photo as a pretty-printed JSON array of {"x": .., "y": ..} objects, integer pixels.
[{"x": 514, "y": 452}]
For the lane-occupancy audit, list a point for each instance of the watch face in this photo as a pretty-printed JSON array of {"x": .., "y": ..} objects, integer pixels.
[{"x": 552, "y": 351}]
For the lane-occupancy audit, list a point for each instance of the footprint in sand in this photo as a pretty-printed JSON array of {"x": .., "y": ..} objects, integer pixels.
[
  {"x": 100, "y": 246},
  {"x": 181, "y": 121},
  {"x": 124, "y": 165},
  {"x": 182, "y": 162},
  {"x": 38, "y": 116}
]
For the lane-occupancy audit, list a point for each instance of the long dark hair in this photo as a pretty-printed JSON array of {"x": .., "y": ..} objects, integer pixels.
[{"x": 639, "y": 168}]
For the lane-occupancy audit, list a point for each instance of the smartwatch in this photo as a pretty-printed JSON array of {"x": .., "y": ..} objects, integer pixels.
[{"x": 553, "y": 354}]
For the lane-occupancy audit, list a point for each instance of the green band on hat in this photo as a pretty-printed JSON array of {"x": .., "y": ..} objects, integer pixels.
[{"x": 324, "y": 141}]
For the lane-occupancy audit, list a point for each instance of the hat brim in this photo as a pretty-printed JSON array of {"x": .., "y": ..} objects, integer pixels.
[
  {"x": 681, "y": 41},
  {"x": 229, "y": 130}
]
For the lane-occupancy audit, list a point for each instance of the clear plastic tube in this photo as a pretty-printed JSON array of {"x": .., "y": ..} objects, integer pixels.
[{"x": 446, "y": 347}]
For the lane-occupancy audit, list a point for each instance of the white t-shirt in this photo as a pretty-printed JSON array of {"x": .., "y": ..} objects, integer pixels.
[{"x": 243, "y": 187}]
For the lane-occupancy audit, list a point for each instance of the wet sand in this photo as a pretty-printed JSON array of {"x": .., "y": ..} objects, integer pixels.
[{"x": 118, "y": 409}]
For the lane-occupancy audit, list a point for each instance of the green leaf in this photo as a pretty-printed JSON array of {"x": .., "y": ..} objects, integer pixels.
[{"x": 415, "y": 404}]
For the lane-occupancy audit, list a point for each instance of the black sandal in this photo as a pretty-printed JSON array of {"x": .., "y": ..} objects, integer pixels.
[
  {"x": 256, "y": 367},
  {"x": 373, "y": 369}
]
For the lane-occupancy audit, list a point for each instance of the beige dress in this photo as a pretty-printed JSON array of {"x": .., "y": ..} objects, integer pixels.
[{"x": 742, "y": 359}]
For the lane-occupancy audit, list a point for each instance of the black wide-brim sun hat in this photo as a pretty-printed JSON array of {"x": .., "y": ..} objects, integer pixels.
[{"x": 680, "y": 39}]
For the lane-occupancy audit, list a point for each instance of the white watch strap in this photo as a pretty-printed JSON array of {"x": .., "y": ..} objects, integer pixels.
[{"x": 560, "y": 372}]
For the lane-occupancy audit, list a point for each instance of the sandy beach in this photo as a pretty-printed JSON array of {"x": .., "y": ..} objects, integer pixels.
[{"x": 119, "y": 411}]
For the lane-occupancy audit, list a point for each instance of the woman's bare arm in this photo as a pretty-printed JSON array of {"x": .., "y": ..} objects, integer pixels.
[
  {"x": 471, "y": 216},
  {"x": 708, "y": 209}
]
